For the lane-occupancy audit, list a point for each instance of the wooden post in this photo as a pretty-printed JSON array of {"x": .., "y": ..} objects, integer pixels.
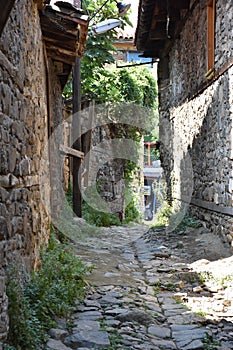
[
  {"x": 210, "y": 34},
  {"x": 76, "y": 131},
  {"x": 87, "y": 142},
  {"x": 149, "y": 154}
]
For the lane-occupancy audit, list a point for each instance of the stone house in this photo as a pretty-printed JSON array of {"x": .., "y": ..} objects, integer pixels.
[
  {"x": 39, "y": 44},
  {"x": 193, "y": 42}
]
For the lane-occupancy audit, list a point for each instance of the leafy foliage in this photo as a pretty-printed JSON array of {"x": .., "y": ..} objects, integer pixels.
[
  {"x": 35, "y": 299},
  {"x": 104, "y": 83},
  {"x": 98, "y": 218},
  {"x": 131, "y": 84},
  {"x": 132, "y": 214},
  {"x": 163, "y": 215},
  {"x": 99, "y": 48},
  {"x": 188, "y": 221}
]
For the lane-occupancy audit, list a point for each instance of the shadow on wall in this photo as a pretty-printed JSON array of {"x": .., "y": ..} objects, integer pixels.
[
  {"x": 211, "y": 155},
  {"x": 196, "y": 155}
]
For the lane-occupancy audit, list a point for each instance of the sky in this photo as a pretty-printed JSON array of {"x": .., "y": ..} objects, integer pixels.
[
  {"x": 134, "y": 12},
  {"x": 129, "y": 31}
]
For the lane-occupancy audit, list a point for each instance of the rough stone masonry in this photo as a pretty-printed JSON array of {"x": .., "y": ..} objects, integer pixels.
[
  {"x": 196, "y": 118},
  {"x": 24, "y": 128}
]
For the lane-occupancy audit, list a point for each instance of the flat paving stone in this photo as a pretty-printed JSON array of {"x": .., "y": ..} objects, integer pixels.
[
  {"x": 57, "y": 333},
  {"x": 161, "y": 332},
  {"x": 116, "y": 311},
  {"x": 141, "y": 317},
  {"x": 56, "y": 345},
  {"x": 88, "y": 315},
  {"x": 87, "y": 338},
  {"x": 86, "y": 325},
  {"x": 164, "y": 344},
  {"x": 123, "y": 305},
  {"x": 194, "y": 345}
]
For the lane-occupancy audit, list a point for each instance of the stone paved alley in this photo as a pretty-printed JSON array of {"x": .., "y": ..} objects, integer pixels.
[{"x": 149, "y": 291}]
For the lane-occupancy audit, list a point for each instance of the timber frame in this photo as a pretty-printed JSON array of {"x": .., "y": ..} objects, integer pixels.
[
  {"x": 64, "y": 29},
  {"x": 159, "y": 23}
]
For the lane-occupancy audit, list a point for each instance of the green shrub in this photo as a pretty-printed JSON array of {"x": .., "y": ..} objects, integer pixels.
[
  {"x": 35, "y": 299},
  {"x": 26, "y": 331},
  {"x": 132, "y": 213},
  {"x": 163, "y": 215},
  {"x": 98, "y": 218},
  {"x": 188, "y": 221}
]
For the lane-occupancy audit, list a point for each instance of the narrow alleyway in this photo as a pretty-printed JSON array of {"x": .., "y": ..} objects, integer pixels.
[{"x": 143, "y": 291}]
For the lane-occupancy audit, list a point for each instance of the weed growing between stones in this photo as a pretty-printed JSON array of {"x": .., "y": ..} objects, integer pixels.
[
  {"x": 209, "y": 343},
  {"x": 209, "y": 279},
  {"x": 157, "y": 288},
  {"x": 115, "y": 339},
  {"x": 35, "y": 300},
  {"x": 201, "y": 313}
]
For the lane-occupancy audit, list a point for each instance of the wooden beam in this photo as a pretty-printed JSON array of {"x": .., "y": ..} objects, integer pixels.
[
  {"x": 180, "y": 4},
  {"x": 59, "y": 41},
  {"x": 61, "y": 58},
  {"x": 210, "y": 35},
  {"x": 61, "y": 50},
  {"x": 71, "y": 151},
  {"x": 158, "y": 34},
  {"x": 162, "y": 17},
  {"x": 76, "y": 128}
]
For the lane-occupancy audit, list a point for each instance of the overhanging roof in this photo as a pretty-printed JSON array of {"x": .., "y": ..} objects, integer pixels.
[
  {"x": 158, "y": 24},
  {"x": 64, "y": 28}
]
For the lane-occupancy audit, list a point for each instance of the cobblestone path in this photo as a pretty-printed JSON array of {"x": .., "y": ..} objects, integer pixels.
[{"x": 145, "y": 293}]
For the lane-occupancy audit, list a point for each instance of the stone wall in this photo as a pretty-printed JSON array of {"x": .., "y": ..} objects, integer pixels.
[
  {"x": 106, "y": 153},
  {"x": 26, "y": 105},
  {"x": 106, "y": 172},
  {"x": 196, "y": 119}
]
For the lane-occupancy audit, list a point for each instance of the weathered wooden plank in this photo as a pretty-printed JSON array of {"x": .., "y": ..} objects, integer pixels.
[
  {"x": 180, "y": 4},
  {"x": 76, "y": 136},
  {"x": 158, "y": 34},
  {"x": 64, "y": 35},
  {"x": 52, "y": 25},
  {"x": 71, "y": 151},
  {"x": 68, "y": 45},
  {"x": 210, "y": 34},
  {"x": 70, "y": 37},
  {"x": 174, "y": 16},
  {"x": 218, "y": 208},
  {"x": 212, "y": 206},
  {"x": 60, "y": 50}
]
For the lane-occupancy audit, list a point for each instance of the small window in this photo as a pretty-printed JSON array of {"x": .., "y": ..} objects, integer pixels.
[{"x": 210, "y": 38}]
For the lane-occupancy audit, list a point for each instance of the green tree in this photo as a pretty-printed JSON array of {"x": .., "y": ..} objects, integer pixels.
[{"x": 103, "y": 82}]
